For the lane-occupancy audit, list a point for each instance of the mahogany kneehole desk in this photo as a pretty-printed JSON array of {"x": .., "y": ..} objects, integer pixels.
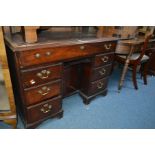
[{"x": 44, "y": 73}]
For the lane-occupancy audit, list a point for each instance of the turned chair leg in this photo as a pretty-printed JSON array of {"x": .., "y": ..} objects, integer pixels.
[
  {"x": 141, "y": 71},
  {"x": 145, "y": 69},
  {"x": 134, "y": 72}
]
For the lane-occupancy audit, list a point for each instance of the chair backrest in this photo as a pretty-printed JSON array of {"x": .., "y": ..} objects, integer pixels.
[{"x": 144, "y": 47}]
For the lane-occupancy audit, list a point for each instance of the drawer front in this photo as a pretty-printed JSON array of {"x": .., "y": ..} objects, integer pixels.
[
  {"x": 103, "y": 59},
  {"x": 34, "y": 77},
  {"x": 101, "y": 72},
  {"x": 41, "y": 93},
  {"x": 39, "y": 56},
  {"x": 98, "y": 86},
  {"x": 43, "y": 110}
]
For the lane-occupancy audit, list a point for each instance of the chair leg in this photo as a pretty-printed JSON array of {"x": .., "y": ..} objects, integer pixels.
[
  {"x": 145, "y": 69},
  {"x": 134, "y": 72},
  {"x": 141, "y": 71}
]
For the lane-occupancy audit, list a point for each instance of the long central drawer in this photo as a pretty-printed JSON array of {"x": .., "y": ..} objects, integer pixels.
[{"x": 46, "y": 55}]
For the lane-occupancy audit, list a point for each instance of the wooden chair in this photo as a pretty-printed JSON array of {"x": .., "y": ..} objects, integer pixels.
[{"x": 136, "y": 59}]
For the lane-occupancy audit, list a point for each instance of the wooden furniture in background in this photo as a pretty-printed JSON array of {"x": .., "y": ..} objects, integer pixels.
[
  {"x": 144, "y": 31},
  {"x": 10, "y": 115},
  {"x": 125, "y": 32},
  {"x": 59, "y": 65},
  {"x": 100, "y": 31},
  {"x": 151, "y": 52},
  {"x": 30, "y": 33},
  {"x": 134, "y": 59},
  {"x": 151, "y": 65}
]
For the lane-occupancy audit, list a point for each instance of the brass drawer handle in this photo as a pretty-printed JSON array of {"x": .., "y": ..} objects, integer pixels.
[
  {"x": 107, "y": 47},
  {"x": 82, "y": 47},
  {"x": 102, "y": 71},
  {"x": 44, "y": 74},
  {"x": 105, "y": 59},
  {"x": 48, "y": 53},
  {"x": 37, "y": 55},
  {"x": 44, "y": 90},
  {"x": 46, "y": 108},
  {"x": 32, "y": 81},
  {"x": 99, "y": 85}
]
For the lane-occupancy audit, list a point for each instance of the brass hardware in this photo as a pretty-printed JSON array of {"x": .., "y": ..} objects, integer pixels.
[
  {"x": 44, "y": 90},
  {"x": 99, "y": 85},
  {"x": 37, "y": 55},
  {"x": 39, "y": 75},
  {"x": 48, "y": 53},
  {"x": 107, "y": 47},
  {"x": 102, "y": 71},
  {"x": 46, "y": 108},
  {"x": 82, "y": 47},
  {"x": 32, "y": 81},
  {"x": 44, "y": 74},
  {"x": 105, "y": 59}
]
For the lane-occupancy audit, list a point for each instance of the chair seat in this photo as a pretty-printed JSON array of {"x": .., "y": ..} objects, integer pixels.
[{"x": 135, "y": 56}]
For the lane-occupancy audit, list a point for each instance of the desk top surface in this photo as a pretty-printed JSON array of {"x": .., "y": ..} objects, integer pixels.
[{"x": 54, "y": 39}]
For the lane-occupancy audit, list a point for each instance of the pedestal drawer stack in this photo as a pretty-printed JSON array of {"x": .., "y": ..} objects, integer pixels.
[
  {"x": 98, "y": 72},
  {"x": 41, "y": 88}
]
